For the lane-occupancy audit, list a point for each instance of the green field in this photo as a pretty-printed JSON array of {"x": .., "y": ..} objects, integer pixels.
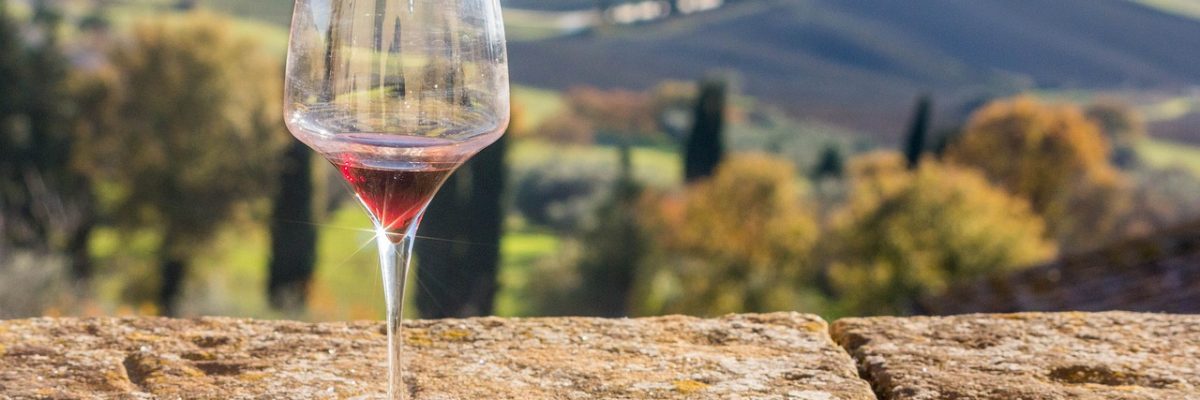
[
  {"x": 520, "y": 252},
  {"x": 654, "y": 166},
  {"x": 272, "y": 36},
  {"x": 1186, "y": 8},
  {"x": 277, "y": 12},
  {"x": 536, "y": 105},
  {"x": 1155, "y": 106},
  {"x": 1162, "y": 153}
]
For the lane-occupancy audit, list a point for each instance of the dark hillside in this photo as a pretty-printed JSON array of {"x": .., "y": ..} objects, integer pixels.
[
  {"x": 861, "y": 63},
  {"x": 1072, "y": 43}
]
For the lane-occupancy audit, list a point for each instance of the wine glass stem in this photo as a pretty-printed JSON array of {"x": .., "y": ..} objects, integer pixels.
[{"x": 394, "y": 259}]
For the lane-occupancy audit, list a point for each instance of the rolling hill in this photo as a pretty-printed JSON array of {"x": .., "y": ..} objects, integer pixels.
[{"x": 861, "y": 63}]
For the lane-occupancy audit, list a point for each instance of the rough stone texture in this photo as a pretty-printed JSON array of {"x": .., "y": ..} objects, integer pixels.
[
  {"x": 1115, "y": 355},
  {"x": 773, "y": 356},
  {"x": 1160, "y": 273}
]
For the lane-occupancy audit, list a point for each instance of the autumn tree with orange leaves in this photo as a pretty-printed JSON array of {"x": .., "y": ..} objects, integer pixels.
[{"x": 1055, "y": 158}]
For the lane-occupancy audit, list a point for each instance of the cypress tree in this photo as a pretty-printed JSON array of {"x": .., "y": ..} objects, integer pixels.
[
  {"x": 918, "y": 131},
  {"x": 705, "y": 146},
  {"x": 293, "y": 236},
  {"x": 831, "y": 164},
  {"x": 440, "y": 249},
  {"x": 488, "y": 177},
  {"x": 459, "y": 245},
  {"x": 943, "y": 138}
]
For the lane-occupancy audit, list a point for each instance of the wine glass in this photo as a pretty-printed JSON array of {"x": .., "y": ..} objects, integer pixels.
[{"x": 397, "y": 94}]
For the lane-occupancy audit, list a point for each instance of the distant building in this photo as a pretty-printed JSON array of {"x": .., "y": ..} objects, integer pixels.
[
  {"x": 1153, "y": 274},
  {"x": 640, "y": 11}
]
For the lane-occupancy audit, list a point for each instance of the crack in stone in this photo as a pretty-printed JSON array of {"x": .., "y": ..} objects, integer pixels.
[
  {"x": 1039, "y": 355},
  {"x": 222, "y": 368},
  {"x": 135, "y": 371},
  {"x": 849, "y": 344}
]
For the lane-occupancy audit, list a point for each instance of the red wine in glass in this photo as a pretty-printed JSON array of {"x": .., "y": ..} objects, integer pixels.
[{"x": 395, "y": 197}]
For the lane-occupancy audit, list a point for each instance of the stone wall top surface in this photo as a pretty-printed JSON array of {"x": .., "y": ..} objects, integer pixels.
[
  {"x": 1114, "y": 355},
  {"x": 772, "y": 356}
]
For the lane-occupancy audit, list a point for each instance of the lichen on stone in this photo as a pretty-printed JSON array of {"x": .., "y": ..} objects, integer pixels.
[{"x": 689, "y": 386}]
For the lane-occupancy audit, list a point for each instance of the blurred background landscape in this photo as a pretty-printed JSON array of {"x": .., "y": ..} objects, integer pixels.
[{"x": 666, "y": 156}]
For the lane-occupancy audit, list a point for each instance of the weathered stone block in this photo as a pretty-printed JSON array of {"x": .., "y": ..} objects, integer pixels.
[
  {"x": 773, "y": 356},
  {"x": 1115, "y": 355}
]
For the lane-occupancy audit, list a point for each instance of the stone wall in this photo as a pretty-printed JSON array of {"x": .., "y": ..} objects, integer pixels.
[
  {"x": 771, "y": 356},
  {"x": 1028, "y": 356}
]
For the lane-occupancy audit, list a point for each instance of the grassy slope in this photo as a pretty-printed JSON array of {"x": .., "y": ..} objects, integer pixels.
[
  {"x": 553, "y": 5},
  {"x": 272, "y": 36},
  {"x": 1187, "y": 8},
  {"x": 536, "y": 105},
  {"x": 1162, "y": 153},
  {"x": 652, "y": 166},
  {"x": 278, "y": 12},
  {"x": 520, "y": 251}
]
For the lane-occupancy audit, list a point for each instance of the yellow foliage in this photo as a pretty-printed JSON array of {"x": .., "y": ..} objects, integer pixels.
[
  {"x": 1052, "y": 156},
  {"x": 905, "y": 234},
  {"x": 187, "y": 117},
  {"x": 738, "y": 242}
]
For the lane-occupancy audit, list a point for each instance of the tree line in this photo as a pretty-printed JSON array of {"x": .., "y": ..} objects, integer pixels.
[{"x": 1017, "y": 183}]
